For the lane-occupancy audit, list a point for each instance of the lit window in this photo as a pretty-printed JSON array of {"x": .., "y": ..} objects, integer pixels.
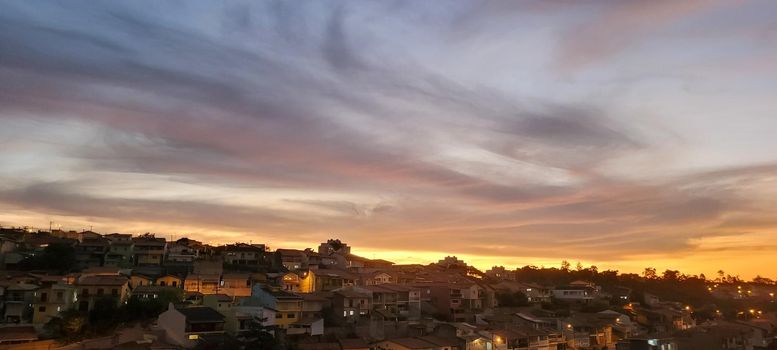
[
  {"x": 194, "y": 336},
  {"x": 351, "y": 312},
  {"x": 345, "y": 313}
]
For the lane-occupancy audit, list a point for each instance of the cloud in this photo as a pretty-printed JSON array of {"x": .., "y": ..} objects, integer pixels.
[{"x": 299, "y": 121}]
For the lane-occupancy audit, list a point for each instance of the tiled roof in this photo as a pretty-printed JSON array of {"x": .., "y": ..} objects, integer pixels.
[
  {"x": 201, "y": 314},
  {"x": 102, "y": 280},
  {"x": 18, "y": 333}
]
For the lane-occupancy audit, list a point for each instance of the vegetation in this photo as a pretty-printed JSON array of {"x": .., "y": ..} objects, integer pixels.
[
  {"x": 510, "y": 299},
  {"x": 55, "y": 257}
]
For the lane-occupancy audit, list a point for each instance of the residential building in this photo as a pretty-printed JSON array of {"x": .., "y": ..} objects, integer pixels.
[
  {"x": 583, "y": 294},
  {"x": 649, "y": 343},
  {"x": 290, "y": 259},
  {"x": 202, "y": 283},
  {"x": 501, "y": 273},
  {"x": 52, "y": 299},
  {"x": 170, "y": 281},
  {"x": 287, "y": 306},
  {"x": 235, "y": 284},
  {"x": 401, "y": 300},
  {"x": 243, "y": 254},
  {"x": 120, "y": 251},
  {"x": 89, "y": 289},
  {"x": 186, "y": 326},
  {"x": 245, "y": 311},
  {"x": 18, "y": 302},
  {"x": 352, "y": 304},
  {"x": 149, "y": 250}
]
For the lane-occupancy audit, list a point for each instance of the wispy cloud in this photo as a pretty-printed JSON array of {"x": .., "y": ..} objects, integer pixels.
[{"x": 292, "y": 121}]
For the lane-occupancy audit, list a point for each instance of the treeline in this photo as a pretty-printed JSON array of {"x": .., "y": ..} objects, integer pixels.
[{"x": 668, "y": 285}]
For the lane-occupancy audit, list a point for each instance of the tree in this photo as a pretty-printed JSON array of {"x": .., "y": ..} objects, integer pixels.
[
  {"x": 70, "y": 325},
  {"x": 579, "y": 266},
  {"x": 139, "y": 308},
  {"x": 565, "y": 265},
  {"x": 511, "y": 299},
  {"x": 671, "y": 275},
  {"x": 650, "y": 273},
  {"x": 56, "y": 256},
  {"x": 260, "y": 336}
]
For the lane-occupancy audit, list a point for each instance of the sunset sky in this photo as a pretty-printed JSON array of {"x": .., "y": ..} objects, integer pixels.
[{"x": 622, "y": 134}]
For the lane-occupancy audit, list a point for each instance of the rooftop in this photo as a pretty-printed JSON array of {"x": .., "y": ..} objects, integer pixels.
[{"x": 201, "y": 314}]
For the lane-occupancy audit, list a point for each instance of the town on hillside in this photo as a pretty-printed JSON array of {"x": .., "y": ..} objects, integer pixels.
[{"x": 85, "y": 290}]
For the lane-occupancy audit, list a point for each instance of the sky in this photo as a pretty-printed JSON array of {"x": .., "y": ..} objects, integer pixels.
[{"x": 621, "y": 134}]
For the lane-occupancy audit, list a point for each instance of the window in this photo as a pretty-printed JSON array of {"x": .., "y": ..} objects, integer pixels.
[
  {"x": 290, "y": 316},
  {"x": 345, "y": 313},
  {"x": 194, "y": 336},
  {"x": 42, "y": 309},
  {"x": 278, "y": 315},
  {"x": 59, "y": 296},
  {"x": 248, "y": 283},
  {"x": 85, "y": 292},
  {"x": 175, "y": 284},
  {"x": 44, "y": 297},
  {"x": 351, "y": 312},
  {"x": 163, "y": 283},
  {"x": 115, "y": 292},
  {"x": 100, "y": 291}
]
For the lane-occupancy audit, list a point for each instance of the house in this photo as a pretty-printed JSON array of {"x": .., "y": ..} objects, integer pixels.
[
  {"x": 331, "y": 279},
  {"x": 313, "y": 304},
  {"x": 306, "y": 327},
  {"x": 418, "y": 343},
  {"x": 18, "y": 302},
  {"x": 137, "y": 280},
  {"x": 170, "y": 281},
  {"x": 187, "y": 326},
  {"x": 205, "y": 284},
  {"x": 235, "y": 284},
  {"x": 220, "y": 302},
  {"x": 333, "y": 246},
  {"x": 585, "y": 331},
  {"x": 298, "y": 281},
  {"x": 87, "y": 235},
  {"x": 50, "y": 300},
  {"x": 458, "y": 302},
  {"x": 120, "y": 251},
  {"x": 401, "y": 300},
  {"x": 243, "y": 254},
  {"x": 501, "y": 273},
  {"x": 352, "y": 304},
  {"x": 214, "y": 266},
  {"x": 376, "y": 277},
  {"x": 525, "y": 339},
  {"x": 89, "y": 289},
  {"x": 287, "y": 306},
  {"x": 148, "y": 250},
  {"x": 243, "y": 313},
  {"x": 154, "y": 292},
  {"x": 8, "y": 255},
  {"x": 290, "y": 259},
  {"x": 180, "y": 253},
  {"x": 582, "y": 294},
  {"x": 648, "y": 343}
]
